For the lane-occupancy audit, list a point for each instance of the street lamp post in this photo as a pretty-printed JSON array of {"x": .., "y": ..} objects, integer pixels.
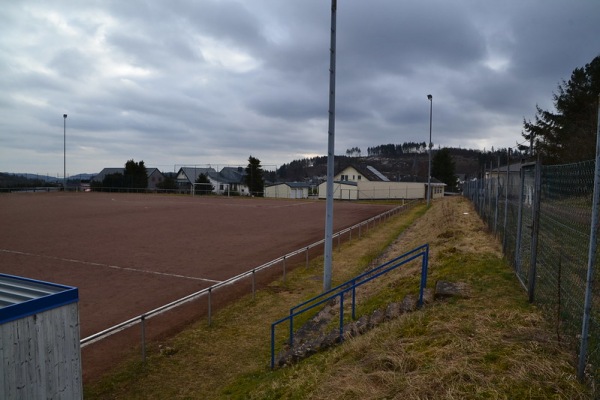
[
  {"x": 430, "y": 97},
  {"x": 328, "y": 245},
  {"x": 65, "y": 152}
]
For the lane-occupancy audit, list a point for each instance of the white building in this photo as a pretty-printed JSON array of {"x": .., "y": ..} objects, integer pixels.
[
  {"x": 288, "y": 190},
  {"x": 367, "y": 183}
]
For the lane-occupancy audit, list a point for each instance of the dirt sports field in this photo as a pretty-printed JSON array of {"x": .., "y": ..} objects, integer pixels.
[{"x": 130, "y": 253}]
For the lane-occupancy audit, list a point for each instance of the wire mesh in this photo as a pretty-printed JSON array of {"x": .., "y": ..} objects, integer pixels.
[{"x": 506, "y": 202}]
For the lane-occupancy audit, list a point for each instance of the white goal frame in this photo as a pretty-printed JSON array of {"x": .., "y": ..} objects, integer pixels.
[{"x": 193, "y": 188}]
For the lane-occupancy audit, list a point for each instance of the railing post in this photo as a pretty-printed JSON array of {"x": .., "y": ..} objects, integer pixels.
[
  {"x": 342, "y": 316},
  {"x": 283, "y": 269},
  {"x": 306, "y": 257},
  {"x": 353, "y": 299},
  {"x": 291, "y": 329},
  {"x": 424, "y": 267},
  {"x": 272, "y": 346},
  {"x": 143, "y": 319},
  {"x": 209, "y": 306}
]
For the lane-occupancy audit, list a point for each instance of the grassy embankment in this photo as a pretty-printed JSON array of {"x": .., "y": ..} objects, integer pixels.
[{"x": 491, "y": 345}]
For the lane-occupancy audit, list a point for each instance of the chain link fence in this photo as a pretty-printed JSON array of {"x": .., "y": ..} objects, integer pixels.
[{"x": 542, "y": 215}]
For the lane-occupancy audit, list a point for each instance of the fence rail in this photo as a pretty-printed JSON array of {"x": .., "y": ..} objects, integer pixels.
[{"x": 140, "y": 319}]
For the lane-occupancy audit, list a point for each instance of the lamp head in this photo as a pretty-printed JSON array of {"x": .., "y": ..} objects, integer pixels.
[
  {"x": 64, "y": 115},
  {"x": 430, "y": 97}
]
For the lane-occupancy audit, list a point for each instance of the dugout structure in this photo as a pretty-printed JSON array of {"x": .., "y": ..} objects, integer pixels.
[{"x": 39, "y": 340}]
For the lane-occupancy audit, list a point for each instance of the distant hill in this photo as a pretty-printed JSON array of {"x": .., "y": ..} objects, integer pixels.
[
  {"x": 24, "y": 180},
  {"x": 21, "y": 179},
  {"x": 395, "y": 161}
]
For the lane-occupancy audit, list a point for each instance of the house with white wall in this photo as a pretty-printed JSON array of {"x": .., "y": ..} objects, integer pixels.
[
  {"x": 288, "y": 190},
  {"x": 358, "y": 182}
]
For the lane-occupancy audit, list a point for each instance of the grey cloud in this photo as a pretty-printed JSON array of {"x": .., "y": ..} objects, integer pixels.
[{"x": 136, "y": 79}]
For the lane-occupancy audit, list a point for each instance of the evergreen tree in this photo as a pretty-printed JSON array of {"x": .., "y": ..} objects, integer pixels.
[
  {"x": 568, "y": 134},
  {"x": 254, "y": 177},
  {"x": 442, "y": 168},
  {"x": 135, "y": 175}
]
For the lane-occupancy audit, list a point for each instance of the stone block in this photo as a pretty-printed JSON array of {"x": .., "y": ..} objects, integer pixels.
[
  {"x": 409, "y": 304},
  {"x": 446, "y": 289}
]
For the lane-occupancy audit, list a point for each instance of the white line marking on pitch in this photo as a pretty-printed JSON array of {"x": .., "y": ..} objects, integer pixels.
[{"x": 109, "y": 266}]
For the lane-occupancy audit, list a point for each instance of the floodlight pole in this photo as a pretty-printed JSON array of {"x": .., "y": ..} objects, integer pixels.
[
  {"x": 330, "y": 158},
  {"x": 430, "y": 97},
  {"x": 64, "y": 152}
]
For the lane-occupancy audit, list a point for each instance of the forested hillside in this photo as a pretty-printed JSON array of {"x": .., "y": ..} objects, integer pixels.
[{"x": 395, "y": 161}]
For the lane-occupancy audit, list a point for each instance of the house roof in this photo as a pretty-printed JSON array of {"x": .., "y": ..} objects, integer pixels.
[
  {"x": 368, "y": 171},
  {"x": 191, "y": 174},
  {"x": 233, "y": 175},
  {"x": 108, "y": 171},
  {"x": 22, "y": 297}
]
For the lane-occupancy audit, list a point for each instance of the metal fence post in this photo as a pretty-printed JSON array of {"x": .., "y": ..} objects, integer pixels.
[
  {"x": 506, "y": 186},
  {"x": 497, "y": 205},
  {"x": 535, "y": 230},
  {"x": 519, "y": 222},
  {"x": 591, "y": 258}
]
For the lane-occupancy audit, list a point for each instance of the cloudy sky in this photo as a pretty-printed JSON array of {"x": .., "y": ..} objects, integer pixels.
[{"x": 214, "y": 81}]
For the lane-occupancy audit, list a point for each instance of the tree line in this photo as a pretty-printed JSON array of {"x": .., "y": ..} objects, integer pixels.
[{"x": 396, "y": 150}]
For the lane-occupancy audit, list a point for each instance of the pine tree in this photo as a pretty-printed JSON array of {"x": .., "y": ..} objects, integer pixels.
[
  {"x": 568, "y": 134},
  {"x": 254, "y": 177},
  {"x": 442, "y": 168}
]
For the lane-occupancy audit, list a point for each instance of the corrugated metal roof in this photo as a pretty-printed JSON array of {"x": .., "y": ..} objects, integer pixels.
[{"x": 20, "y": 297}]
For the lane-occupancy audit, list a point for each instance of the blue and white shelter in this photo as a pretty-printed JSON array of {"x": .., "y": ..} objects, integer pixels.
[{"x": 40, "y": 352}]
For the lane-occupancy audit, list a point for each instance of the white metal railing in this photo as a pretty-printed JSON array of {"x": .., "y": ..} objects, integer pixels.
[{"x": 140, "y": 319}]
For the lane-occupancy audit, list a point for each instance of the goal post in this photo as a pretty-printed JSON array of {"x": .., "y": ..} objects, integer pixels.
[{"x": 201, "y": 188}]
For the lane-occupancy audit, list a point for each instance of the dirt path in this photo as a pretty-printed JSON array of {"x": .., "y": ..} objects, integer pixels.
[{"x": 450, "y": 222}]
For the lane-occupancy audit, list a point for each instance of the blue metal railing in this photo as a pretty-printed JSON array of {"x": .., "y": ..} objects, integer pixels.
[{"x": 350, "y": 286}]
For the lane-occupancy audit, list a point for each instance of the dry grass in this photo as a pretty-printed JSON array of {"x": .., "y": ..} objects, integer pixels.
[{"x": 492, "y": 345}]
